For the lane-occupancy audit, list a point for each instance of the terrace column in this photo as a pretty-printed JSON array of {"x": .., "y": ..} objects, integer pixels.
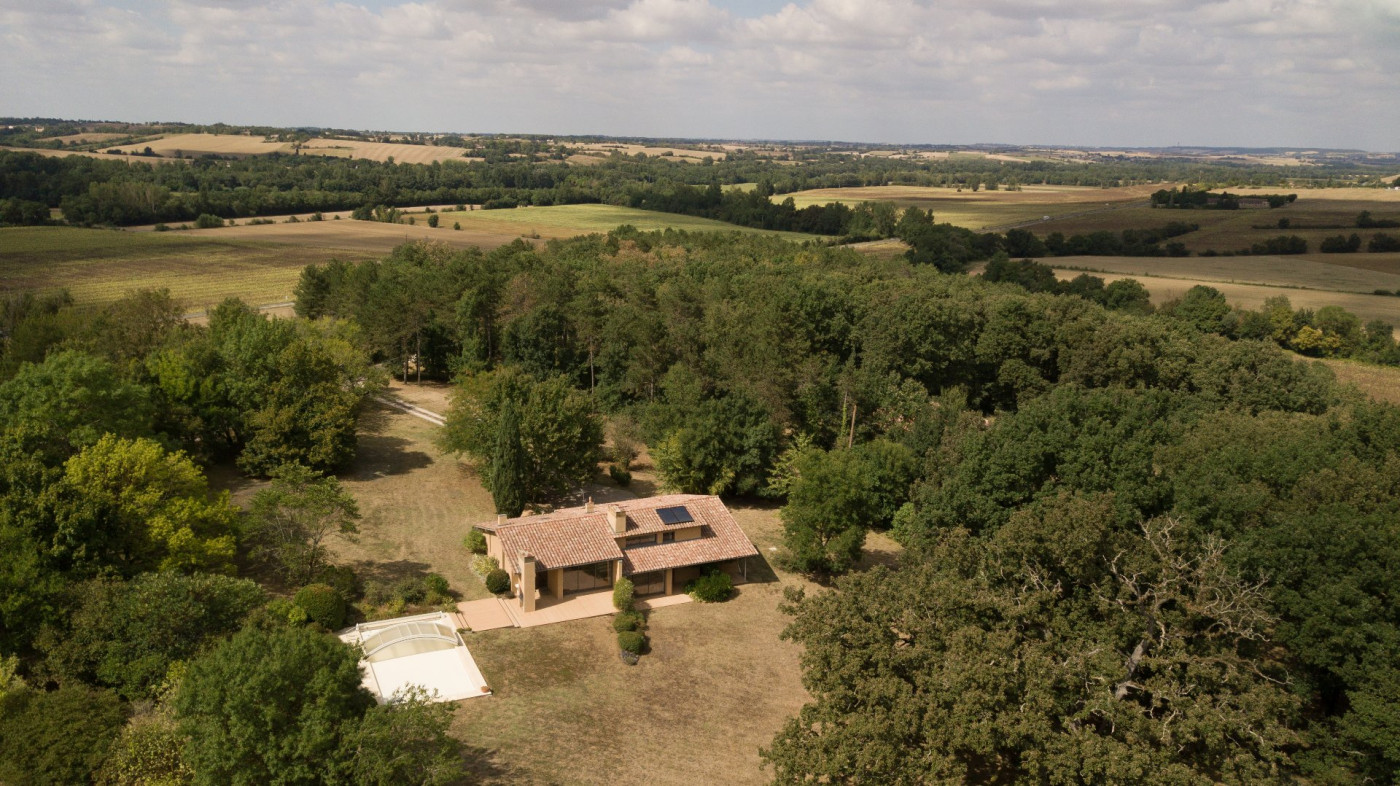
[
  {"x": 527, "y": 582},
  {"x": 669, "y": 589}
]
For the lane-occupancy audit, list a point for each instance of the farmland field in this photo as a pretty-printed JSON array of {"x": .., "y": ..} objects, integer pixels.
[
  {"x": 382, "y": 151},
  {"x": 180, "y": 145},
  {"x": 1251, "y": 296},
  {"x": 261, "y": 263},
  {"x": 48, "y": 153},
  {"x": 570, "y": 220},
  {"x": 983, "y": 209},
  {"x": 99, "y": 266}
]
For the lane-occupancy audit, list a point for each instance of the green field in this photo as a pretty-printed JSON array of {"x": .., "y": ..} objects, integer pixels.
[{"x": 571, "y": 220}]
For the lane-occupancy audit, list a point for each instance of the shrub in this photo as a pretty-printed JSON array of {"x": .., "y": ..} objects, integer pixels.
[
  {"x": 436, "y": 583},
  {"x": 344, "y": 580},
  {"x": 630, "y": 658},
  {"x": 713, "y": 587},
  {"x": 410, "y": 590},
  {"x": 627, "y": 620},
  {"x": 482, "y": 565},
  {"x": 498, "y": 581},
  {"x": 457, "y": 225},
  {"x": 620, "y": 475},
  {"x": 208, "y": 221},
  {"x": 475, "y": 542},
  {"x": 623, "y": 592},
  {"x": 317, "y": 216},
  {"x": 323, "y": 604},
  {"x": 433, "y": 220},
  {"x": 162, "y": 228},
  {"x": 631, "y": 641},
  {"x": 377, "y": 593}
]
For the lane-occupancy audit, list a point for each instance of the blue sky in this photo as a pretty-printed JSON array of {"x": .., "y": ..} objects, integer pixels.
[{"x": 1287, "y": 73}]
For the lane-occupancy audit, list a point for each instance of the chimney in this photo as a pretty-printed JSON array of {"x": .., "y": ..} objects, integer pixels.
[
  {"x": 619, "y": 520},
  {"x": 500, "y": 519},
  {"x": 588, "y": 508}
]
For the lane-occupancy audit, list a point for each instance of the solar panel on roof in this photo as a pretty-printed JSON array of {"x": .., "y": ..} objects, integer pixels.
[{"x": 676, "y": 515}]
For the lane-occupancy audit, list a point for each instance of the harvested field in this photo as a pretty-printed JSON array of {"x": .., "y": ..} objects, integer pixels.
[
  {"x": 983, "y": 209},
  {"x": 1301, "y": 271},
  {"x": 85, "y": 154},
  {"x": 606, "y": 149},
  {"x": 383, "y": 151},
  {"x": 362, "y": 238},
  {"x": 1252, "y": 296},
  {"x": 562, "y": 221},
  {"x": 83, "y": 139},
  {"x": 184, "y": 145}
]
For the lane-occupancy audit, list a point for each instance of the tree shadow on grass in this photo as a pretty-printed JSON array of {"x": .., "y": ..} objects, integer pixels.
[
  {"x": 484, "y": 765},
  {"x": 389, "y": 572},
  {"x": 380, "y": 455}
]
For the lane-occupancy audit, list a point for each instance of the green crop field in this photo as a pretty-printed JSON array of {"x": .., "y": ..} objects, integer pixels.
[{"x": 570, "y": 220}]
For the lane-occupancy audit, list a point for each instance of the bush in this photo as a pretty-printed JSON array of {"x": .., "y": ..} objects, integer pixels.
[
  {"x": 162, "y": 228},
  {"x": 482, "y": 565},
  {"x": 436, "y": 584},
  {"x": 627, "y": 620},
  {"x": 457, "y": 225},
  {"x": 344, "y": 580},
  {"x": 323, "y": 604},
  {"x": 410, "y": 590},
  {"x": 623, "y": 592},
  {"x": 377, "y": 593},
  {"x": 433, "y": 220},
  {"x": 208, "y": 221},
  {"x": 630, "y": 658},
  {"x": 620, "y": 475},
  {"x": 631, "y": 641},
  {"x": 498, "y": 582},
  {"x": 475, "y": 542},
  {"x": 713, "y": 587}
]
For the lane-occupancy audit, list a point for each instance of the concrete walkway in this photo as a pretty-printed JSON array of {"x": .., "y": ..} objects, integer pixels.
[{"x": 494, "y": 613}]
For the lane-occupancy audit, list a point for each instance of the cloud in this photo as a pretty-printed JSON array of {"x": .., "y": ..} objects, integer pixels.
[{"x": 1110, "y": 72}]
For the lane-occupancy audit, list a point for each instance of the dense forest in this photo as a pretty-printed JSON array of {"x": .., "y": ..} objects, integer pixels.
[{"x": 1141, "y": 547}]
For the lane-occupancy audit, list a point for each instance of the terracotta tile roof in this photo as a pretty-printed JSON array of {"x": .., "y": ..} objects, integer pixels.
[
  {"x": 574, "y": 536},
  {"x": 560, "y": 543}
]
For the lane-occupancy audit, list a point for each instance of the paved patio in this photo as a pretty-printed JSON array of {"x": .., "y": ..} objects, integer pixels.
[{"x": 493, "y": 613}]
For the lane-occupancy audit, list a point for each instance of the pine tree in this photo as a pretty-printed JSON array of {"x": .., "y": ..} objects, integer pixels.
[{"x": 509, "y": 466}]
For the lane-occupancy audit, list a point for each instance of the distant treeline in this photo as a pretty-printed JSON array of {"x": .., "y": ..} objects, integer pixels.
[
  {"x": 1203, "y": 199},
  {"x": 525, "y": 172}
]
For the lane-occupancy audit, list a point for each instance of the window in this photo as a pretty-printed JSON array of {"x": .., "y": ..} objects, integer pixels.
[
  {"x": 637, "y": 541},
  {"x": 668, "y": 537},
  {"x": 649, "y": 583},
  {"x": 588, "y": 577}
]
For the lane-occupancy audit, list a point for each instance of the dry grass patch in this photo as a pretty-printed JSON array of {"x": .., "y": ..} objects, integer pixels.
[
  {"x": 416, "y": 505},
  {"x": 85, "y": 154},
  {"x": 1381, "y": 383}
]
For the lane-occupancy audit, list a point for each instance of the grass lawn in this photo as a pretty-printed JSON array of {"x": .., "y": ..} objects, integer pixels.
[
  {"x": 560, "y": 221},
  {"x": 717, "y": 684}
]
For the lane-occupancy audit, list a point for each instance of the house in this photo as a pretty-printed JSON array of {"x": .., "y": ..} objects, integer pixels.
[{"x": 660, "y": 543}]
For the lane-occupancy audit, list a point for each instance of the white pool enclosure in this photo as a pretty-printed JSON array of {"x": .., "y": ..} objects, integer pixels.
[{"x": 423, "y": 650}]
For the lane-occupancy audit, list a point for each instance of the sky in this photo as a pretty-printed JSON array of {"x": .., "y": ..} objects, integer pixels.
[{"x": 1108, "y": 73}]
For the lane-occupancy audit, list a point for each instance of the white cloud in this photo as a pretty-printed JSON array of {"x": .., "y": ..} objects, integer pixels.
[{"x": 1114, "y": 72}]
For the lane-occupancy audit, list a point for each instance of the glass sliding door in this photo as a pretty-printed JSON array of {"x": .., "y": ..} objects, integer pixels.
[
  {"x": 588, "y": 577},
  {"x": 653, "y": 583}
]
